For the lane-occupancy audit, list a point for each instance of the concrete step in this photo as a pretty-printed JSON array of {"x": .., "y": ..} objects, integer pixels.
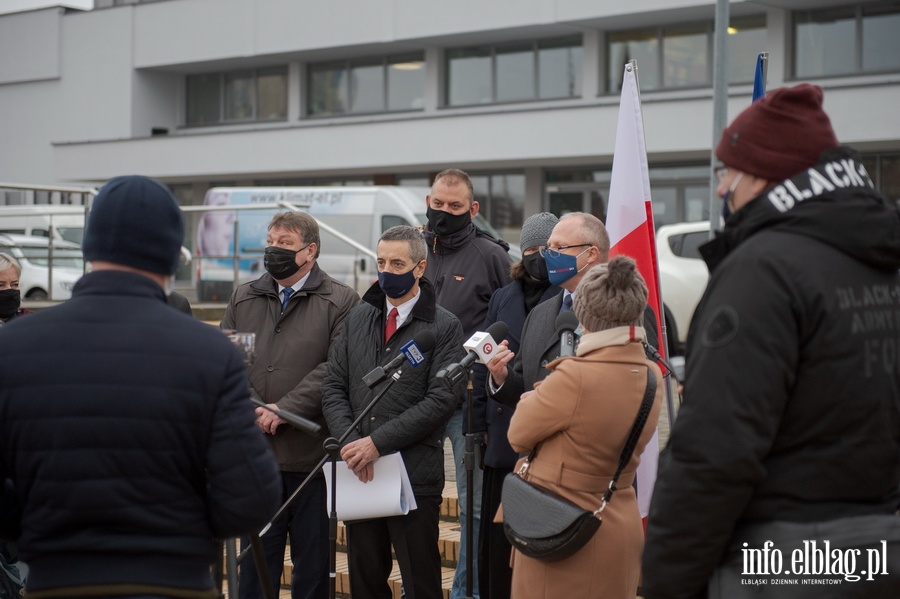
[{"x": 448, "y": 545}]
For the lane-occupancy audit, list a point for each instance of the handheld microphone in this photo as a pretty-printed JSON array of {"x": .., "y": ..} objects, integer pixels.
[
  {"x": 566, "y": 323},
  {"x": 413, "y": 352},
  {"x": 296, "y": 421},
  {"x": 481, "y": 346}
]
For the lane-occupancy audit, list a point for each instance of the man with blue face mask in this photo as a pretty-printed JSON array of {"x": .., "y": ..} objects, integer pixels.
[
  {"x": 409, "y": 418},
  {"x": 296, "y": 311},
  {"x": 579, "y": 242}
]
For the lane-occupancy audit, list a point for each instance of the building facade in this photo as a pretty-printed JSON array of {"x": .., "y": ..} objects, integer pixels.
[{"x": 523, "y": 94}]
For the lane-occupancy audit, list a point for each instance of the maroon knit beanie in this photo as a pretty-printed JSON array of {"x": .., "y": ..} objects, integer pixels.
[{"x": 779, "y": 135}]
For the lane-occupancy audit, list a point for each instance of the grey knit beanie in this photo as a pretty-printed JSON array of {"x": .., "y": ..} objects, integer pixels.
[
  {"x": 537, "y": 229},
  {"x": 611, "y": 295}
]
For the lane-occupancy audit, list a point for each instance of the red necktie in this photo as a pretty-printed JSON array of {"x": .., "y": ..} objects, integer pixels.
[{"x": 391, "y": 325}]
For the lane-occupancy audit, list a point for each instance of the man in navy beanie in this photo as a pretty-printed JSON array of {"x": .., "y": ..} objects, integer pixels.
[
  {"x": 782, "y": 473},
  {"x": 127, "y": 438}
]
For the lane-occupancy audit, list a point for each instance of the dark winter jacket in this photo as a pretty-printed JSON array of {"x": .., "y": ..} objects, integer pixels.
[
  {"x": 128, "y": 433},
  {"x": 792, "y": 398},
  {"x": 291, "y": 350},
  {"x": 466, "y": 268},
  {"x": 411, "y": 417},
  {"x": 507, "y": 305}
]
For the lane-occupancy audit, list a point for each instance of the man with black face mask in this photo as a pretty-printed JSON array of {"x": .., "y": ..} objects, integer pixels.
[
  {"x": 466, "y": 266},
  {"x": 10, "y": 296},
  {"x": 296, "y": 311}
]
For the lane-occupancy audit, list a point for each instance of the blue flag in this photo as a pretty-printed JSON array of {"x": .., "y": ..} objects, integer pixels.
[{"x": 759, "y": 81}]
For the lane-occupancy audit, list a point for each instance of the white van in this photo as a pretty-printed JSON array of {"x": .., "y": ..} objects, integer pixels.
[
  {"x": 359, "y": 214},
  {"x": 63, "y": 223}
]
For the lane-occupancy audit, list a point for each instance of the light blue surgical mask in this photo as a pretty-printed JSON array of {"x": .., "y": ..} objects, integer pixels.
[{"x": 562, "y": 267}]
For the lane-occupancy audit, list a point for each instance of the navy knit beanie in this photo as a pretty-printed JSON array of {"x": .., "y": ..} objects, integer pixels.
[{"x": 135, "y": 221}]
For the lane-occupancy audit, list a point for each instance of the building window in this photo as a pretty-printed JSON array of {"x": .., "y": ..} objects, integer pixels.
[
  {"x": 239, "y": 97},
  {"x": 501, "y": 199},
  {"x": 847, "y": 41},
  {"x": 681, "y": 56},
  {"x": 367, "y": 86},
  {"x": 524, "y": 71}
]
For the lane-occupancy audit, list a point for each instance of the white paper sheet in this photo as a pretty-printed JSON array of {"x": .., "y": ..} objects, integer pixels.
[{"x": 387, "y": 494}]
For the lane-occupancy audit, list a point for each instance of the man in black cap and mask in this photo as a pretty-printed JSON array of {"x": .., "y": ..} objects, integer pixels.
[
  {"x": 296, "y": 311},
  {"x": 466, "y": 266},
  {"x": 127, "y": 433}
]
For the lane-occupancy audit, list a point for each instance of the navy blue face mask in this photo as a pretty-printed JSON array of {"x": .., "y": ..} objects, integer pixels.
[
  {"x": 395, "y": 286},
  {"x": 561, "y": 267}
]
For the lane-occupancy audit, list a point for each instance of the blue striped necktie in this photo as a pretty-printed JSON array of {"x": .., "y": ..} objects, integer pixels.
[{"x": 288, "y": 292}]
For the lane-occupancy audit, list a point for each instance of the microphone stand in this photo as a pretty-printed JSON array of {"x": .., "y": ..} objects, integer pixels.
[
  {"x": 469, "y": 461},
  {"x": 332, "y": 447}
]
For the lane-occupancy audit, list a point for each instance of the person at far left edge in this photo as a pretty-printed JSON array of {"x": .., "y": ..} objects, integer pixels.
[{"x": 296, "y": 311}]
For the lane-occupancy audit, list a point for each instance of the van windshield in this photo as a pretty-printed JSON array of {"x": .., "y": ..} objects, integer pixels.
[{"x": 73, "y": 234}]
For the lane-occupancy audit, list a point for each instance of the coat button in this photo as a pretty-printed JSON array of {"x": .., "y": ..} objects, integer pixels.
[
  {"x": 372, "y": 419},
  {"x": 277, "y": 329},
  {"x": 499, "y": 410},
  {"x": 544, "y": 363},
  {"x": 270, "y": 368}
]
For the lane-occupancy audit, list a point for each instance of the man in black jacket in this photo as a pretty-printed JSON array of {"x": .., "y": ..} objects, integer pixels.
[
  {"x": 789, "y": 435},
  {"x": 466, "y": 266},
  {"x": 410, "y": 418},
  {"x": 127, "y": 429}
]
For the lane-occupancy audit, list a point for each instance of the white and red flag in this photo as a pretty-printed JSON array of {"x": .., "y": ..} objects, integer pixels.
[{"x": 629, "y": 220}]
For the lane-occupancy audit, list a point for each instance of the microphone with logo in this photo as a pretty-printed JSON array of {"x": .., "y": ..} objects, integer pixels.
[
  {"x": 481, "y": 347},
  {"x": 413, "y": 352},
  {"x": 566, "y": 323}
]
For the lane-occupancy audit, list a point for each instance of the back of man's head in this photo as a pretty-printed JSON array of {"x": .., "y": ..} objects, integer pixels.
[
  {"x": 593, "y": 231},
  {"x": 135, "y": 221},
  {"x": 779, "y": 135}
]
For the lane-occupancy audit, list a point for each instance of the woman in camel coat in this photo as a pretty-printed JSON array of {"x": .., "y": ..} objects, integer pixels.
[{"x": 579, "y": 418}]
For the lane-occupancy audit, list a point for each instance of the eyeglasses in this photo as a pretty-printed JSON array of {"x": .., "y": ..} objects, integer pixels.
[{"x": 555, "y": 252}]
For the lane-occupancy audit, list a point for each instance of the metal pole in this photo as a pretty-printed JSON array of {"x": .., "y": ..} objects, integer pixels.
[{"x": 720, "y": 105}]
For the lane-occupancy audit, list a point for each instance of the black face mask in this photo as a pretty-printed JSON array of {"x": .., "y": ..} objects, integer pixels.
[
  {"x": 10, "y": 300},
  {"x": 444, "y": 223},
  {"x": 536, "y": 266},
  {"x": 394, "y": 285},
  {"x": 281, "y": 263}
]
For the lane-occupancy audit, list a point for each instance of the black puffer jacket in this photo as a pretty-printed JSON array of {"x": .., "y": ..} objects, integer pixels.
[
  {"x": 128, "y": 432},
  {"x": 792, "y": 397},
  {"x": 411, "y": 417}
]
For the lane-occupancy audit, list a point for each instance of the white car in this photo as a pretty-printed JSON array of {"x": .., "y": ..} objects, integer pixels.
[
  {"x": 682, "y": 276},
  {"x": 33, "y": 255}
]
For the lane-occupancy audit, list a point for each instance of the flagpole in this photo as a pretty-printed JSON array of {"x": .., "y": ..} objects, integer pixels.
[
  {"x": 720, "y": 106},
  {"x": 631, "y": 65}
]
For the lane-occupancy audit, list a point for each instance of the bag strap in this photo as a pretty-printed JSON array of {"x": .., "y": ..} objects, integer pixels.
[
  {"x": 633, "y": 436},
  {"x": 630, "y": 442}
]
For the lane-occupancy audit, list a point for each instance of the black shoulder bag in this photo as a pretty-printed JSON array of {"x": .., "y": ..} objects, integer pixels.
[{"x": 545, "y": 526}]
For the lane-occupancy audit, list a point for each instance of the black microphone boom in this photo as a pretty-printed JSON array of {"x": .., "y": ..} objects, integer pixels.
[
  {"x": 296, "y": 421},
  {"x": 566, "y": 323},
  {"x": 424, "y": 341}
]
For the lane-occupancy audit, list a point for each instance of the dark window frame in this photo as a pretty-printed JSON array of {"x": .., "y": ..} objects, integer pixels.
[{"x": 221, "y": 76}]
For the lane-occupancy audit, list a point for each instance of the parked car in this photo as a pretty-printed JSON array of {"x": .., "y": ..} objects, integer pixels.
[
  {"x": 682, "y": 275},
  {"x": 33, "y": 255}
]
